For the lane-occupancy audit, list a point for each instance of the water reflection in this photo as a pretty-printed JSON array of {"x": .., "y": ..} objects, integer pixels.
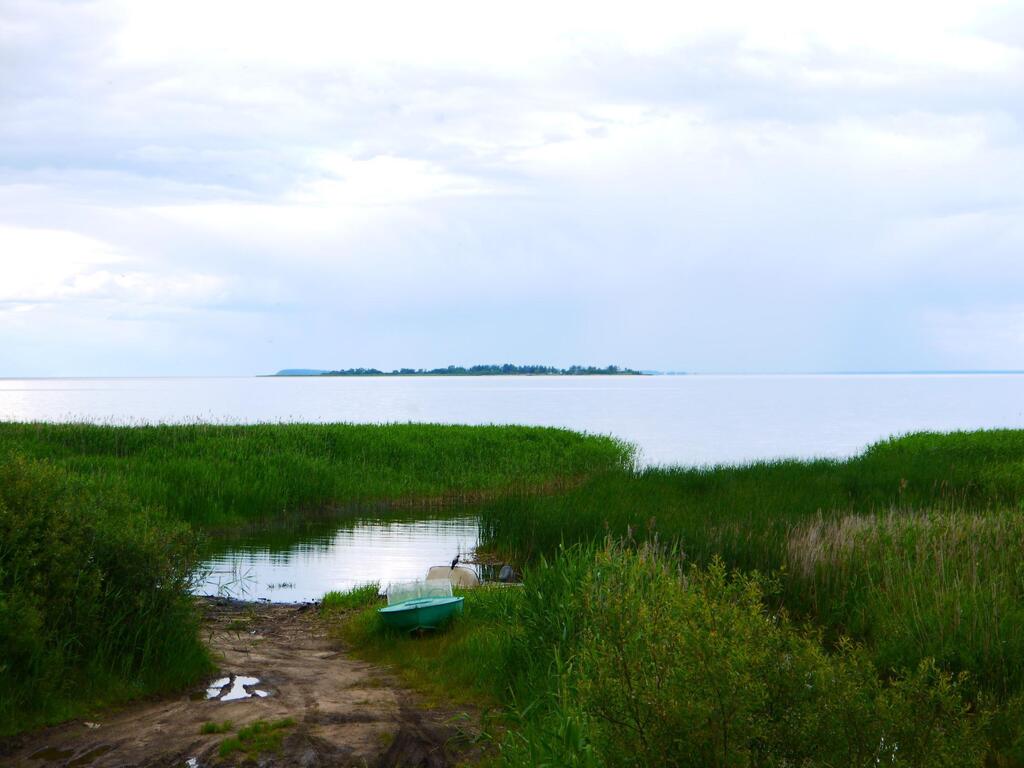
[{"x": 303, "y": 563}]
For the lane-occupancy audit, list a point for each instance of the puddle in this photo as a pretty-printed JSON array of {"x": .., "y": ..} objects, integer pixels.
[
  {"x": 215, "y": 687},
  {"x": 241, "y": 687}
]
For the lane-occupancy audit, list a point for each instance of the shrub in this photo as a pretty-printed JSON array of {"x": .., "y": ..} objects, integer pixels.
[
  {"x": 660, "y": 664},
  {"x": 93, "y": 596}
]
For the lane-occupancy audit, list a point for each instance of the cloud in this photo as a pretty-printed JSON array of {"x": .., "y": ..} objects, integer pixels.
[
  {"x": 42, "y": 266},
  {"x": 726, "y": 186}
]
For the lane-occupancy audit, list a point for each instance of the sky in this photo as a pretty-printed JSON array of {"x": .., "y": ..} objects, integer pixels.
[{"x": 221, "y": 188}]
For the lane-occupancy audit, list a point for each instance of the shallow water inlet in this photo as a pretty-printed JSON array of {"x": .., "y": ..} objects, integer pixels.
[{"x": 303, "y": 565}]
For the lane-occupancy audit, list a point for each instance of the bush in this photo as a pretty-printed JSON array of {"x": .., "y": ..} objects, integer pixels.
[
  {"x": 94, "y": 596},
  {"x": 657, "y": 664}
]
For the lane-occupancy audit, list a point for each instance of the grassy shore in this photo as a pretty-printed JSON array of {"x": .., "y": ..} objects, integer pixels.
[
  {"x": 799, "y": 613},
  {"x": 624, "y": 655},
  {"x": 98, "y": 530},
  {"x": 913, "y": 546},
  {"x": 911, "y": 551}
]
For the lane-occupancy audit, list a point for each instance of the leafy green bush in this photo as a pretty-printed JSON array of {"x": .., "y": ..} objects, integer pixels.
[
  {"x": 686, "y": 667},
  {"x": 624, "y": 655},
  {"x": 93, "y": 596}
]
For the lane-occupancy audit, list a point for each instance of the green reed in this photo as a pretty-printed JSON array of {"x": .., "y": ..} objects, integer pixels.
[
  {"x": 216, "y": 475},
  {"x": 622, "y": 654},
  {"x": 914, "y": 547}
]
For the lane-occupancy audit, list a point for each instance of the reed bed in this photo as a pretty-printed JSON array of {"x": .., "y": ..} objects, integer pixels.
[
  {"x": 945, "y": 585},
  {"x": 220, "y": 476},
  {"x": 914, "y": 548},
  {"x": 623, "y": 654}
]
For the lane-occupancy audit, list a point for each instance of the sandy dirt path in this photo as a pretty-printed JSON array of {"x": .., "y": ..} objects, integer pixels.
[{"x": 346, "y": 712}]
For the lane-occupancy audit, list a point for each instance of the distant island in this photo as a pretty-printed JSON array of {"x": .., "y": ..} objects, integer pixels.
[{"x": 474, "y": 370}]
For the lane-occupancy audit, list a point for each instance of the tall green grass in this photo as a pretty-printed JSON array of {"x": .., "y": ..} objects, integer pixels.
[
  {"x": 939, "y": 522},
  {"x": 626, "y": 656},
  {"x": 94, "y": 603},
  {"x": 746, "y": 512},
  {"x": 914, "y": 547},
  {"x": 214, "y": 475}
]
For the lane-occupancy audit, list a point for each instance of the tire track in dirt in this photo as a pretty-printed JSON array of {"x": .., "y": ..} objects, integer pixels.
[{"x": 346, "y": 712}]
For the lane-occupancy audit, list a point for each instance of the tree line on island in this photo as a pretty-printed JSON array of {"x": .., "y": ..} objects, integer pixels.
[{"x": 506, "y": 369}]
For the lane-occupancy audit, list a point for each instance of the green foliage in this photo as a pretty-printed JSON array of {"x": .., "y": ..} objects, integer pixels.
[
  {"x": 627, "y": 656},
  {"x": 93, "y": 596},
  {"x": 352, "y": 599},
  {"x": 465, "y": 662},
  {"x": 212, "y": 727},
  {"x": 256, "y": 738},
  {"x": 912, "y": 547},
  {"x": 215, "y": 475},
  {"x": 685, "y": 666}
]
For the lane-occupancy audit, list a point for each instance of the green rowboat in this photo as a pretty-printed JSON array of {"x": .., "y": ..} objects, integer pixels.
[{"x": 421, "y": 612}]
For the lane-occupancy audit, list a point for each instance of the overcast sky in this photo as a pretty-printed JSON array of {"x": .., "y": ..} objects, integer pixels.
[{"x": 236, "y": 187}]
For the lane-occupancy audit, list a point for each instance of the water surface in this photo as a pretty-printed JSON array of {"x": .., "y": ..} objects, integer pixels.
[
  {"x": 300, "y": 565},
  {"x": 673, "y": 419}
]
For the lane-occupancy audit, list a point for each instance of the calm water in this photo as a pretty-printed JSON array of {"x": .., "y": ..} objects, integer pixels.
[
  {"x": 302, "y": 566},
  {"x": 673, "y": 419}
]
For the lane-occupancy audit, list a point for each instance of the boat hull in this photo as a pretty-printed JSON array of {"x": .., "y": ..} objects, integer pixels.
[{"x": 421, "y": 613}]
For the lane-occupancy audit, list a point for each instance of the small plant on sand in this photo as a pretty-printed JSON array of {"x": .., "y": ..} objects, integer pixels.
[
  {"x": 257, "y": 738},
  {"x": 353, "y": 599},
  {"x": 212, "y": 727}
]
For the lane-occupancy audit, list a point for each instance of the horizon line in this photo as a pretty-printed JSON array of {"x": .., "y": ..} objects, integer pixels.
[{"x": 647, "y": 372}]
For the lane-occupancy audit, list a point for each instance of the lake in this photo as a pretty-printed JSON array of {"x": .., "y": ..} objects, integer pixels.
[{"x": 672, "y": 419}]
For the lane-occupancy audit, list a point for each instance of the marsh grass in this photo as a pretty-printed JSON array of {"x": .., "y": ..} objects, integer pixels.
[
  {"x": 942, "y": 584},
  {"x": 914, "y": 548},
  {"x": 352, "y": 599},
  {"x": 220, "y": 476},
  {"x": 624, "y": 655},
  {"x": 94, "y": 603},
  {"x": 257, "y": 738}
]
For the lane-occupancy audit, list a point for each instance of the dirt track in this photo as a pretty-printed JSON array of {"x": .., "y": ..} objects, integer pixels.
[{"x": 346, "y": 712}]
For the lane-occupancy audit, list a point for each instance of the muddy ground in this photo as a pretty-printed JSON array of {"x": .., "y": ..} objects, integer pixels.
[{"x": 346, "y": 712}]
